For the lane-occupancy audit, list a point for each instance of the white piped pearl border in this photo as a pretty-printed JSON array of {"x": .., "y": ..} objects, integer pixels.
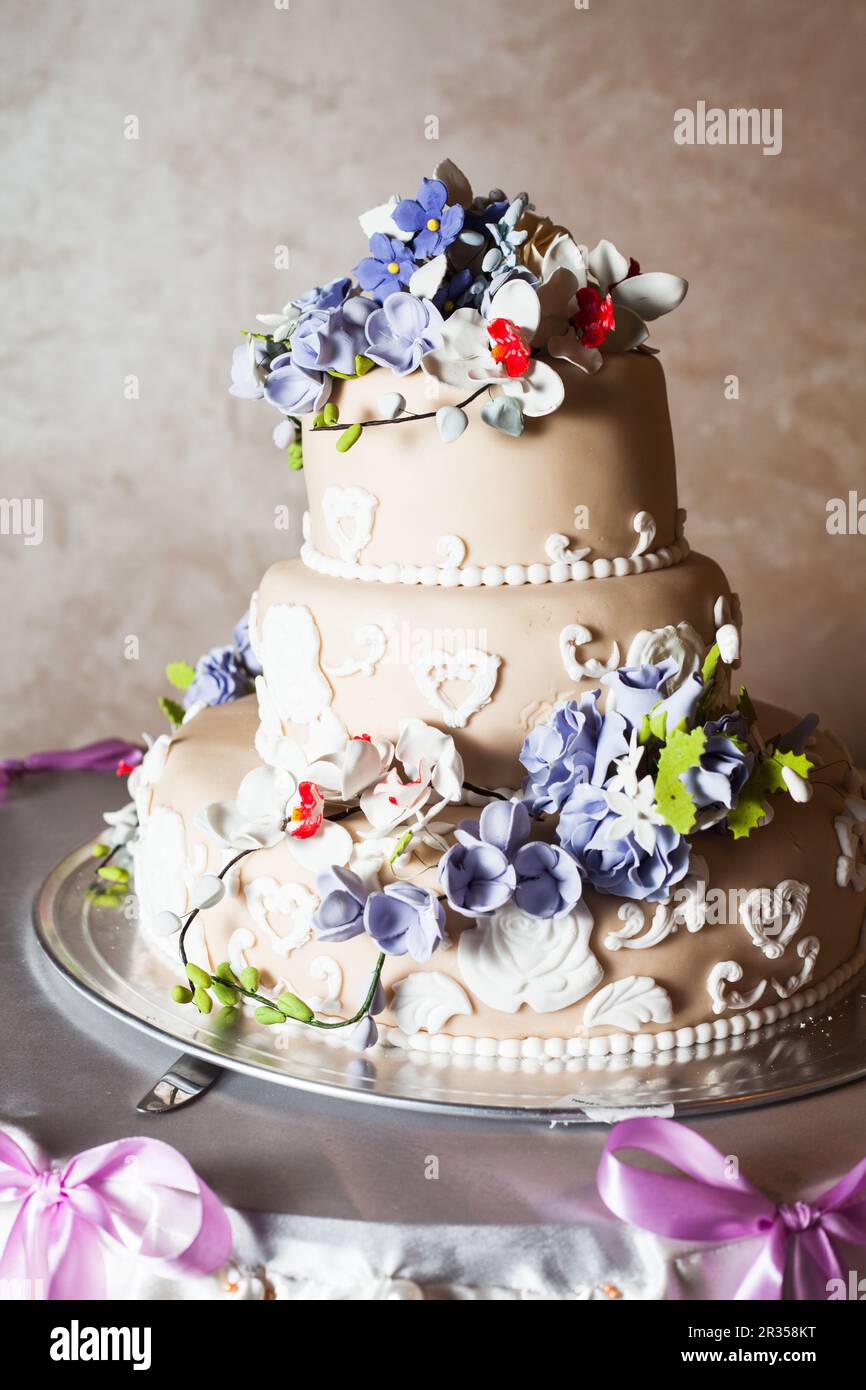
[
  {"x": 494, "y": 576},
  {"x": 622, "y": 1044}
]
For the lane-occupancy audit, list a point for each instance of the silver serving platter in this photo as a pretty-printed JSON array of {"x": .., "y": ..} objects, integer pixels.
[{"x": 101, "y": 953}]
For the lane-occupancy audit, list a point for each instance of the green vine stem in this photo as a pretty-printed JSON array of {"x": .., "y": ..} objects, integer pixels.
[
  {"x": 403, "y": 419},
  {"x": 229, "y": 980}
]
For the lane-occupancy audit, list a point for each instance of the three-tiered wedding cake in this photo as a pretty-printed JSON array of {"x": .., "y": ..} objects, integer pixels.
[{"x": 493, "y": 787}]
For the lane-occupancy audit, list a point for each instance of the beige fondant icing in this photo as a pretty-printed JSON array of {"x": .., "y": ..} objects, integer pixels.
[
  {"x": 522, "y": 626},
  {"x": 209, "y": 756},
  {"x": 608, "y": 450}
]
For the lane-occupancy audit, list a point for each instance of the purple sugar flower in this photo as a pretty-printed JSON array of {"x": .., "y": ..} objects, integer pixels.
[
  {"x": 245, "y": 382},
  {"x": 725, "y": 767},
  {"x": 477, "y": 878},
  {"x": 328, "y": 296},
  {"x": 219, "y": 678},
  {"x": 389, "y": 266},
  {"x": 246, "y": 655},
  {"x": 621, "y": 866},
  {"x": 450, "y": 294},
  {"x": 432, "y": 221},
  {"x": 295, "y": 391},
  {"x": 638, "y": 689},
  {"x": 577, "y": 744},
  {"x": 402, "y": 331},
  {"x": 404, "y": 919},
  {"x": 329, "y": 340},
  {"x": 340, "y": 914},
  {"x": 548, "y": 880}
]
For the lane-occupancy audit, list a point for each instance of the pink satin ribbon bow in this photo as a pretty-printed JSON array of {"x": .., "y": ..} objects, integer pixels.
[
  {"x": 139, "y": 1194},
  {"x": 798, "y": 1254},
  {"x": 94, "y": 757}
]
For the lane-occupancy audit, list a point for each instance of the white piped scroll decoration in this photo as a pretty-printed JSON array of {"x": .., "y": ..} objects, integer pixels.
[
  {"x": 330, "y": 972},
  {"x": 559, "y": 550},
  {"x": 373, "y": 641},
  {"x": 479, "y": 669},
  {"x": 451, "y": 551},
  {"x": 575, "y": 635},
  {"x": 629, "y": 1003},
  {"x": 349, "y": 514},
  {"x": 772, "y": 917},
  {"x": 290, "y": 654},
  {"x": 240, "y": 941},
  {"x": 851, "y": 834},
  {"x": 265, "y": 897},
  {"x": 644, "y": 524},
  {"x": 512, "y": 959},
  {"x": 426, "y": 1000},
  {"x": 687, "y": 908},
  {"x": 807, "y": 950},
  {"x": 728, "y": 972}
]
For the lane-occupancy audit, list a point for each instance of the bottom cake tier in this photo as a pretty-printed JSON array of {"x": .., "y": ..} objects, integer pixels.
[{"x": 762, "y": 927}]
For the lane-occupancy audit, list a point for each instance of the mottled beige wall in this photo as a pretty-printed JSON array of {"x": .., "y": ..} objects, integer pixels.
[{"x": 261, "y": 125}]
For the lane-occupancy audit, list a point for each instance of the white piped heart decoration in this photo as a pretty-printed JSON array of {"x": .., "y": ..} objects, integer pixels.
[
  {"x": 479, "y": 668},
  {"x": 349, "y": 513}
]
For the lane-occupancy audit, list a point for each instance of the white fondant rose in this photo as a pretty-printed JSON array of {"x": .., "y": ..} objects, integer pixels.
[
  {"x": 511, "y": 959},
  {"x": 681, "y": 644}
]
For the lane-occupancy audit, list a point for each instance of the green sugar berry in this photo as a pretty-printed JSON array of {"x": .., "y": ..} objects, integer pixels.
[
  {"x": 198, "y": 976},
  {"x": 98, "y": 850},
  {"x": 226, "y": 1018},
  {"x": 181, "y": 995},
  {"x": 250, "y": 978},
  {"x": 349, "y": 437},
  {"x": 331, "y": 413},
  {"x": 203, "y": 1001},
  {"x": 268, "y": 1015},
  {"x": 224, "y": 993},
  {"x": 225, "y": 972},
  {"x": 113, "y": 873},
  {"x": 293, "y": 1007}
]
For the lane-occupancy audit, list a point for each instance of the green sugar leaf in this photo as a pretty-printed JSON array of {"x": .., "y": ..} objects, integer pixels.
[
  {"x": 682, "y": 751},
  {"x": 172, "y": 710},
  {"x": 746, "y": 708},
  {"x": 180, "y": 674},
  {"x": 711, "y": 661}
]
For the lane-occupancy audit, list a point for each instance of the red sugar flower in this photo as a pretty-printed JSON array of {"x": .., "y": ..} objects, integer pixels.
[
  {"x": 509, "y": 346},
  {"x": 123, "y": 769},
  {"x": 308, "y": 817},
  {"x": 594, "y": 318}
]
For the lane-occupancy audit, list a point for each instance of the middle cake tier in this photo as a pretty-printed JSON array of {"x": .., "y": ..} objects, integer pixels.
[{"x": 485, "y": 664}]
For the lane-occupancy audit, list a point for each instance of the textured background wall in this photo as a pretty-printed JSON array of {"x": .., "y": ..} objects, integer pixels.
[{"x": 261, "y": 125}]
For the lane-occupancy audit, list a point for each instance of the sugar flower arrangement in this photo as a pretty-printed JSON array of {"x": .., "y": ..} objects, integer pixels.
[
  {"x": 613, "y": 800},
  {"x": 481, "y": 293}
]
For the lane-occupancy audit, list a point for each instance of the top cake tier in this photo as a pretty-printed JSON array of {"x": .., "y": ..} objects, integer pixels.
[{"x": 587, "y": 491}]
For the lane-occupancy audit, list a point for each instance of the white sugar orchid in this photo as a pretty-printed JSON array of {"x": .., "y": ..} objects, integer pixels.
[
  {"x": 433, "y": 770},
  {"x": 647, "y": 294},
  {"x": 497, "y": 349},
  {"x": 272, "y": 806},
  {"x": 341, "y": 765}
]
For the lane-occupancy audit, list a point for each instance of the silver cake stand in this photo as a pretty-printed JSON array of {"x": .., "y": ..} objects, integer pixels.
[{"x": 99, "y": 951}]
